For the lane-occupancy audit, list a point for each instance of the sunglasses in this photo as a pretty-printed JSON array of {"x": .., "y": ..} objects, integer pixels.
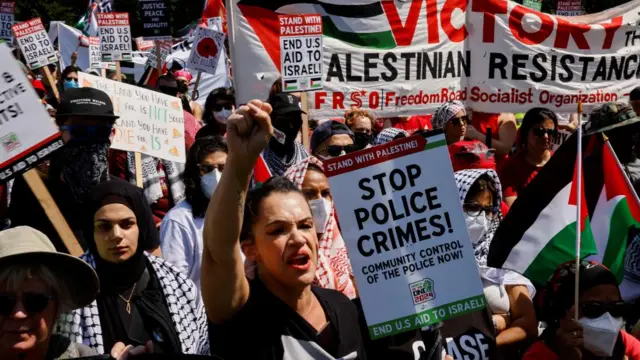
[
  {"x": 336, "y": 150},
  {"x": 33, "y": 303},
  {"x": 593, "y": 310},
  {"x": 206, "y": 168},
  {"x": 464, "y": 119},
  {"x": 540, "y": 132},
  {"x": 71, "y": 79},
  {"x": 85, "y": 132},
  {"x": 219, "y": 107}
]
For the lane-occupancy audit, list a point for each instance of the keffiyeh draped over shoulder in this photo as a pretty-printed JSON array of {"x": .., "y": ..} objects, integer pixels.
[
  {"x": 446, "y": 112},
  {"x": 387, "y": 135}
]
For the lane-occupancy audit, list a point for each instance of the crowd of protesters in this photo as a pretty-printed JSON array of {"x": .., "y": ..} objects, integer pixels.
[{"x": 204, "y": 259}]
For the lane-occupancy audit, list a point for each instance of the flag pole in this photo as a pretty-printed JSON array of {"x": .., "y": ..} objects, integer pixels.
[{"x": 578, "y": 212}]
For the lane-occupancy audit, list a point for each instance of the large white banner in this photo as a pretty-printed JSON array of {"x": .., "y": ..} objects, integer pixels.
[{"x": 408, "y": 57}]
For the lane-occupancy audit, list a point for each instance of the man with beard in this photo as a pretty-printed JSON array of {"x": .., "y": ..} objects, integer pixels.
[
  {"x": 283, "y": 150},
  {"x": 86, "y": 119}
]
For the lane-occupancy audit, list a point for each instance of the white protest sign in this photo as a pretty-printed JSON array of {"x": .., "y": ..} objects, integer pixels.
[
  {"x": 95, "y": 57},
  {"x": 150, "y": 122},
  {"x": 165, "y": 50},
  {"x": 144, "y": 45},
  {"x": 406, "y": 235},
  {"x": 34, "y": 43},
  {"x": 27, "y": 133},
  {"x": 7, "y": 17},
  {"x": 215, "y": 23},
  {"x": 301, "y": 52},
  {"x": 208, "y": 45},
  {"x": 115, "y": 36}
]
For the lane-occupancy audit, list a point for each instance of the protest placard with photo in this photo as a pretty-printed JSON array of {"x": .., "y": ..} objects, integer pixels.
[
  {"x": 144, "y": 45},
  {"x": 165, "y": 50},
  {"x": 95, "y": 57},
  {"x": 7, "y": 17},
  {"x": 115, "y": 36},
  {"x": 208, "y": 45},
  {"x": 301, "y": 52},
  {"x": 408, "y": 244},
  {"x": 27, "y": 133},
  {"x": 34, "y": 43},
  {"x": 155, "y": 20},
  {"x": 150, "y": 122}
]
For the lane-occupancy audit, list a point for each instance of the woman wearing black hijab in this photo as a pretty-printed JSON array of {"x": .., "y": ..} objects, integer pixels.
[{"x": 142, "y": 298}]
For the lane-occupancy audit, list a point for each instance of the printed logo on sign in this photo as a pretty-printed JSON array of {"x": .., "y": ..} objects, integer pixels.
[
  {"x": 10, "y": 142},
  {"x": 422, "y": 291}
]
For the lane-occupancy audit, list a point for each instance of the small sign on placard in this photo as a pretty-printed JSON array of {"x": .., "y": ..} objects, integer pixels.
[
  {"x": 406, "y": 234},
  {"x": 34, "y": 43},
  {"x": 165, "y": 50},
  {"x": 95, "y": 57},
  {"x": 208, "y": 45},
  {"x": 115, "y": 36},
  {"x": 215, "y": 23},
  {"x": 301, "y": 52},
  {"x": 150, "y": 122},
  {"x": 7, "y": 17},
  {"x": 27, "y": 133},
  {"x": 144, "y": 45},
  {"x": 155, "y": 20}
]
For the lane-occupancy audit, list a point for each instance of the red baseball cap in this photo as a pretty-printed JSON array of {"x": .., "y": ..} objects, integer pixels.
[{"x": 471, "y": 155}]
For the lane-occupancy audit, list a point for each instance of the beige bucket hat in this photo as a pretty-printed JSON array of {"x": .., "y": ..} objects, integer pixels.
[{"x": 24, "y": 243}]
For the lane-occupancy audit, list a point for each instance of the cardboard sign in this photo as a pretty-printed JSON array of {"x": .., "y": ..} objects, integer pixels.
[
  {"x": 27, "y": 133},
  {"x": 301, "y": 52},
  {"x": 144, "y": 45},
  {"x": 208, "y": 45},
  {"x": 7, "y": 17},
  {"x": 165, "y": 50},
  {"x": 155, "y": 20},
  {"x": 115, "y": 36},
  {"x": 406, "y": 235},
  {"x": 95, "y": 57},
  {"x": 150, "y": 122},
  {"x": 34, "y": 43}
]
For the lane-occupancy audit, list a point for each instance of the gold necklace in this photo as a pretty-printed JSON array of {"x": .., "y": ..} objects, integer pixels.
[{"x": 128, "y": 308}]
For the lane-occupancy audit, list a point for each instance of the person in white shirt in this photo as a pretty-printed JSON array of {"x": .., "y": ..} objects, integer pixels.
[{"x": 181, "y": 228}]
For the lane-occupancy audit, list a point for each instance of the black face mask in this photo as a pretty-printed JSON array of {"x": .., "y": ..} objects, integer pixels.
[
  {"x": 362, "y": 140},
  {"x": 287, "y": 126},
  {"x": 84, "y": 165},
  {"x": 183, "y": 88},
  {"x": 168, "y": 90}
]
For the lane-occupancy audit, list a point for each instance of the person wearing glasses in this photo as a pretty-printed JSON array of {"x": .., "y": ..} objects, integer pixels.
[
  {"x": 539, "y": 127},
  {"x": 598, "y": 332},
  {"x": 181, "y": 228},
  {"x": 508, "y": 294},
  {"x": 452, "y": 118},
  {"x": 219, "y": 106},
  {"x": 332, "y": 139}
]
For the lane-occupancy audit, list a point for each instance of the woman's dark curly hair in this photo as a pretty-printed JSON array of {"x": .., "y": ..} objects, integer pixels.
[
  {"x": 201, "y": 148},
  {"x": 227, "y": 94}
]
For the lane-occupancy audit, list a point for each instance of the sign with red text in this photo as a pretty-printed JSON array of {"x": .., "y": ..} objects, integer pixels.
[
  {"x": 208, "y": 45},
  {"x": 7, "y": 17},
  {"x": 95, "y": 57},
  {"x": 115, "y": 36},
  {"x": 27, "y": 133},
  {"x": 569, "y": 7},
  {"x": 301, "y": 52},
  {"x": 34, "y": 43},
  {"x": 406, "y": 234},
  {"x": 150, "y": 122},
  {"x": 144, "y": 45},
  {"x": 407, "y": 58}
]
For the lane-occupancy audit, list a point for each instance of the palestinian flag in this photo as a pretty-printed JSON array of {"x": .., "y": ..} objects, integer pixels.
[
  {"x": 614, "y": 209},
  {"x": 88, "y": 23},
  {"x": 539, "y": 232},
  {"x": 291, "y": 85},
  {"x": 316, "y": 83}
]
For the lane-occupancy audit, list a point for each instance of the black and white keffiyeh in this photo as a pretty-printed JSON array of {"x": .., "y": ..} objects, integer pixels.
[
  {"x": 387, "y": 135},
  {"x": 183, "y": 301},
  {"x": 464, "y": 180},
  {"x": 278, "y": 165},
  {"x": 151, "y": 178}
]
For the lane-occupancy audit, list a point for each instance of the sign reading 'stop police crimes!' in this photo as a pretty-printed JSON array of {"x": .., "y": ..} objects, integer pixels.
[{"x": 408, "y": 243}]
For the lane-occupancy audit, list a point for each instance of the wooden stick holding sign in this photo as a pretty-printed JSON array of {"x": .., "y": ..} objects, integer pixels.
[
  {"x": 158, "y": 58},
  {"x": 47, "y": 74},
  {"x": 305, "y": 121},
  {"x": 195, "y": 86},
  {"x": 53, "y": 212}
]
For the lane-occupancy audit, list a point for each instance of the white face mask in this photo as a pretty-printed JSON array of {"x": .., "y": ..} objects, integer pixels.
[
  {"x": 477, "y": 226},
  {"x": 209, "y": 182},
  {"x": 222, "y": 116},
  {"x": 321, "y": 210},
  {"x": 601, "y": 333}
]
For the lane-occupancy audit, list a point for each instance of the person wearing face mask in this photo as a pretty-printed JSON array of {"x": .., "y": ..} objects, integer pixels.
[
  {"x": 181, "y": 229},
  {"x": 597, "y": 332},
  {"x": 508, "y": 294},
  {"x": 219, "y": 106},
  {"x": 283, "y": 150},
  {"x": 184, "y": 78},
  {"x": 361, "y": 123},
  {"x": 85, "y": 118},
  {"x": 332, "y": 139}
]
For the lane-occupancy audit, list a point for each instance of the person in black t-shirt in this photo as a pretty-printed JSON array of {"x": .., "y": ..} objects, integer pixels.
[{"x": 279, "y": 314}]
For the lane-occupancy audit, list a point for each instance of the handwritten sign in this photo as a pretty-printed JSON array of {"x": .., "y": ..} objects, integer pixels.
[
  {"x": 150, "y": 122},
  {"x": 207, "y": 47}
]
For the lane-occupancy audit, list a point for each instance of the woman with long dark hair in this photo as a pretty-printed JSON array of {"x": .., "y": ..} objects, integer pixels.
[{"x": 219, "y": 106}]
